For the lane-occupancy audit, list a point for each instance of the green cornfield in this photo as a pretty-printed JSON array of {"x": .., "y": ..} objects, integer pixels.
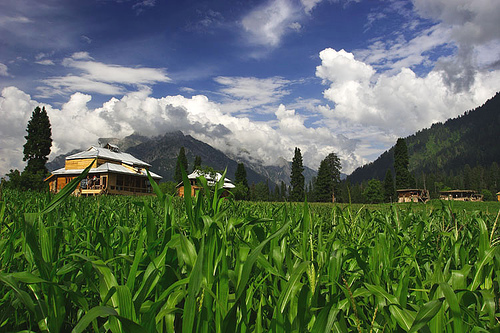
[{"x": 209, "y": 264}]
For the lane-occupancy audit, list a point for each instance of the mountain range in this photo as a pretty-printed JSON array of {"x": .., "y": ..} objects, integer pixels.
[
  {"x": 470, "y": 139},
  {"x": 161, "y": 152}
]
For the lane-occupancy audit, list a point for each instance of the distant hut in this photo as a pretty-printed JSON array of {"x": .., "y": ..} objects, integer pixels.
[
  {"x": 212, "y": 179},
  {"x": 413, "y": 195},
  {"x": 461, "y": 195},
  {"x": 498, "y": 196},
  {"x": 112, "y": 172}
]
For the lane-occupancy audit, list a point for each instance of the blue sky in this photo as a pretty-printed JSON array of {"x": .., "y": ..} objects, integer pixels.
[{"x": 252, "y": 78}]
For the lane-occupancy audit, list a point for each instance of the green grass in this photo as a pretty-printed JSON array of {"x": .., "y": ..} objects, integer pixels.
[{"x": 205, "y": 264}]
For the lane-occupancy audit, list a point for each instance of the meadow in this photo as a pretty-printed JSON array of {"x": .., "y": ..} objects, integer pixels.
[{"x": 208, "y": 264}]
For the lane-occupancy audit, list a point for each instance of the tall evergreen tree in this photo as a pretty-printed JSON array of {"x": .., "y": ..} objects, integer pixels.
[
  {"x": 283, "y": 191},
  {"x": 389, "y": 191},
  {"x": 241, "y": 182},
  {"x": 38, "y": 142},
  {"x": 197, "y": 163},
  {"x": 323, "y": 188},
  {"x": 181, "y": 160},
  {"x": 401, "y": 162},
  {"x": 328, "y": 181},
  {"x": 241, "y": 175},
  {"x": 297, "y": 179},
  {"x": 373, "y": 192}
]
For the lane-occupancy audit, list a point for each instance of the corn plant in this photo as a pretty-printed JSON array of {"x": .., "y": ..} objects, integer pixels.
[{"x": 211, "y": 264}]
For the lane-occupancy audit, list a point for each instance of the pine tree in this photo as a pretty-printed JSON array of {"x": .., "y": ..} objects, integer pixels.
[
  {"x": 38, "y": 142},
  {"x": 328, "y": 181},
  {"x": 297, "y": 179},
  {"x": 373, "y": 192},
  {"x": 283, "y": 191},
  {"x": 241, "y": 175},
  {"x": 197, "y": 163},
  {"x": 323, "y": 187},
  {"x": 389, "y": 192},
  {"x": 181, "y": 160},
  {"x": 241, "y": 182},
  {"x": 401, "y": 162}
]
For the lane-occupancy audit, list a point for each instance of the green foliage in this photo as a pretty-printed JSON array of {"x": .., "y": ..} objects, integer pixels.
[
  {"x": 168, "y": 187},
  {"x": 260, "y": 192},
  {"x": 374, "y": 192},
  {"x": 209, "y": 264},
  {"x": 25, "y": 181},
  {"x": 297, "y": 179},
  {"x": 181, "y": 161},
  {"x": 328, "y": 179},
  {"x": 389, "y": 189},
  {"x": 403, "y": 176},
  {"x": 242, "y": 190},
  {"x": 197, "y": 163},
  {"x": 488, "y": 196},
  {"x": 38, "y": 142}
]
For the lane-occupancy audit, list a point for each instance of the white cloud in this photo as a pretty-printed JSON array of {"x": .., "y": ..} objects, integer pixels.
[
  {"x": 262, "y": 142},
  {"x": 45, "y": 62},
  {"x": 473, "y": 21},
  {"x": 397, "y": 104},
  {"x": 15, "y": 111},
  {"x": 98, "y": 77},
  {"x": 309, "y": 4},
  {"x": 268, "y": 23},
  {"x": 245, "y": 94},
  {"x": 3, "y": 70}
]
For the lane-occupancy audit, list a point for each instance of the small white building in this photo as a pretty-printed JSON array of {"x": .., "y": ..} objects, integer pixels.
[{"x": 212, "y": 179}]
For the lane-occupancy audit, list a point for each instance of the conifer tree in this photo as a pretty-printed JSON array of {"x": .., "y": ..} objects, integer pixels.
[
  {"x": 389, "y": 192},
  {"x": 297, "y": 179},
  {"x": 241, "y": 175},
  {"x": 327, "y": 183},
  {"x": 401, "y": 162},
  {"x": 283, "y": 191},
  {"x": 197, "y": 163},
  {"x": 38, "y": 142},
  {"x": 242, "y": 189},
  {"x": 181, "y": 160}
]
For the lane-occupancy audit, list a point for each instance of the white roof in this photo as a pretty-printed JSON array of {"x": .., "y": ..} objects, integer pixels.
[
  {"x": 108, "y": 167},
  {"x": 210, "y": 180},
  {"x": 107, "y": 154}
]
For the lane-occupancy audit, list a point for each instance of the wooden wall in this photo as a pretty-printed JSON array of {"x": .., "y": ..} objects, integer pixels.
[{"x": 80, "y": 164}]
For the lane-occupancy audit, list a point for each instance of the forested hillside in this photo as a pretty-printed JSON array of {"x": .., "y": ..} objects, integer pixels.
[{"x": 461, "y": 153}]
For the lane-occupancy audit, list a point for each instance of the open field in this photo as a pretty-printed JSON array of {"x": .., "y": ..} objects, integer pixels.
[{"x": 161, "y": 264}]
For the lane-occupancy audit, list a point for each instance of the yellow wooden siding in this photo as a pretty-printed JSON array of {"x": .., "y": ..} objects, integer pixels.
[{"x": 80, "y": 164}]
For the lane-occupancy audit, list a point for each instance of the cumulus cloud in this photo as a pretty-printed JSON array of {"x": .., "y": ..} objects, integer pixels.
[
  {"x": 397, "y": 104},
  {"x": 98, "y": 77},
  {"x": 472, "y": 22},
  {"x": 138, "y": 112}
]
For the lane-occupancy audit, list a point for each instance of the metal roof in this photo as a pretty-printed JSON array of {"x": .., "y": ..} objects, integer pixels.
[
  {"x": 210, "y": 180},
  {"x": 107, "y": 154},
  {"x": 108, "y": 167}
]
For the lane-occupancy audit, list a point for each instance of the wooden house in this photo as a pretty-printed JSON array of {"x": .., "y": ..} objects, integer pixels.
[
  {"x": 461, "y": 195},
  {"x": 112, "y": 172},
  {"x": 211, "y": 181},
  {"x": 413, "y": 195}
]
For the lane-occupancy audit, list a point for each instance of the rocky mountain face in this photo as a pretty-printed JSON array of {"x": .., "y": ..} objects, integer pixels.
[{"x": 161, "y": 152}]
